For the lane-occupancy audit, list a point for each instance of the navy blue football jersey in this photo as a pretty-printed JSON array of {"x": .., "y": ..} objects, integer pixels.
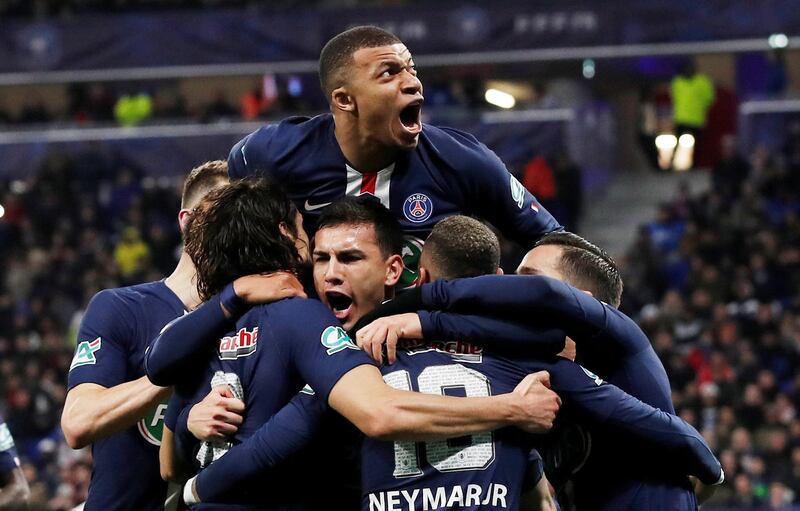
[
  {"x": 449, "y": 173},
  {"x": 8, "y": 451},
  {"x": 115, "y": 331},
  {"x": 266, "y": 360},
  {"x": 609, "y": 343},
  {"x": 481, "y": 471}
]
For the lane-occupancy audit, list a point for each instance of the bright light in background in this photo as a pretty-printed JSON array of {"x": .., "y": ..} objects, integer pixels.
[
  {"x": 588, "y": 69},
  {"x": 686, "y": 140},
  {"x": 778, "y": 41},
  {"x": 665, "y": 142},
  {"x": 2, "y": 211},
  {"x": 499, "y": 98}
]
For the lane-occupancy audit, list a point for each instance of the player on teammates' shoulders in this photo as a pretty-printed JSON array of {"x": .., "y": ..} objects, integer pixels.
[
  {"x": 110, "y": 402},
  {"x": 374, "y": 142}
]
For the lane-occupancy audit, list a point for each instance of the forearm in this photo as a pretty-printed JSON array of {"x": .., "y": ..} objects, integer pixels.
[
  {"x": 508, "y": 333},
  {"x": 419, "y": 417},
  {"x": 96, "y": 412},
  {"x": 186, "y": 341},
  {"x": 680, "y": 442},
  {"x": 535, "y": 299}
]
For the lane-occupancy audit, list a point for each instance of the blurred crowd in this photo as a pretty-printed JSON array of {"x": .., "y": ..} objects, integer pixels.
[
  {"x": 79, "y": 226},
  {"x": 713, "y": 280}
]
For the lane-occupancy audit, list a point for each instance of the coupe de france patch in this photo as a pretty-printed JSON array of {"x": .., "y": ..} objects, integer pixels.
[
  {"x": 84, "y": 353},
  {"x": 418, "y": 207},
  {"x": 597, "y": 380},
  {"x": 6, "y": 441},
  {"x": 335, "y": 339}
]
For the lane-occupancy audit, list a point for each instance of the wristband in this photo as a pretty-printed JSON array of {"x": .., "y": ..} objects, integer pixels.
[
  {"x": 232, "y": 302},
  {"x": 189, "y": 497}
]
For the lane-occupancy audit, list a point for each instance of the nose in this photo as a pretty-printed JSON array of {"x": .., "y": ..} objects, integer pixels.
[
  {"x": 411, "y": 84},
  {"x": 333, "y": 273}
]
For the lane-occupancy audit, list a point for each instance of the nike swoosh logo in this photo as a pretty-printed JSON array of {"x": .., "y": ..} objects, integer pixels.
[{"x": 312, "y": 207}]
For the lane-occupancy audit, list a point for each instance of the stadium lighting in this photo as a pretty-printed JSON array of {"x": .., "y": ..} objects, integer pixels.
[
  {"x": 2, "y": 211},
  {"x": 778, "y": 41},
  {"x": 499, "y": 98},
  {"x": 588, "y": 69},
  {"x": 666, "y": 142},
  {"x": 686, "y": 140}
]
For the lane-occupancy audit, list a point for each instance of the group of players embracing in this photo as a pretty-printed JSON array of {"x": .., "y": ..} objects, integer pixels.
[{"x": 338, "y": 334}]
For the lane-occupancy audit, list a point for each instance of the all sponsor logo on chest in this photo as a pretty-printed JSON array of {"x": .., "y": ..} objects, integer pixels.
[{"x": 241, "y": 344}]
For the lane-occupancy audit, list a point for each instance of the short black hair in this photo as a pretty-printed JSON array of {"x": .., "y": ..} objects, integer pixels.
[
  {"x": 366, "y": 210},
  {"x": 587, "y": 266},
  {"x": 460, "y": 246},
  {"x": 201, "y": 180},
  {"x": 236, "y": 231},
  {"x": 338, "y": 52}
]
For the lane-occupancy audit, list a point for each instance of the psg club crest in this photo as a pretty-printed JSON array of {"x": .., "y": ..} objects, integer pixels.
[{"x": 418, "y": 207}]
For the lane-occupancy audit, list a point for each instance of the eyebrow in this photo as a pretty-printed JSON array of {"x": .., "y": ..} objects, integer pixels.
[{"x": 525, "y": 270}]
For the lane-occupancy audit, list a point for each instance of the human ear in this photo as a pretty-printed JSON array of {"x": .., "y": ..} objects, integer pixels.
[
  {"x": 394, "y": 269},
  {"x": 342, "y": 100}
]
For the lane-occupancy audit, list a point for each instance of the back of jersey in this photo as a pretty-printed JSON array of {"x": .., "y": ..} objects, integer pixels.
[{"x": 481, "y": 471}]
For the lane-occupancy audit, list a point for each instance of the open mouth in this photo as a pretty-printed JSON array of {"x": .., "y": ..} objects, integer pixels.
[
  {"x": 410, "y": 117},
  {"x": 339, "y": 303}
]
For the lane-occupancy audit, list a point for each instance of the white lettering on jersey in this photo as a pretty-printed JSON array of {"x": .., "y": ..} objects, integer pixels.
[{"x": 440, "y": 498}]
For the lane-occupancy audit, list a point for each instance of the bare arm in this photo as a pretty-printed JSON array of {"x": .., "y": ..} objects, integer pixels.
[
  {"x": 92, "y": 411},
  {"x": 380, "y": 411},
  {"x": 15, "y": 492},
  {"x": 172, "y": 468}
]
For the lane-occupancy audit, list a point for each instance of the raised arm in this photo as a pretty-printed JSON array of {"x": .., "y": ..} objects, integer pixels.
[
  {"x": 591, "y": 399},
  {"x": 184, "y": 343},
  {"x": 534, "y": 300}
]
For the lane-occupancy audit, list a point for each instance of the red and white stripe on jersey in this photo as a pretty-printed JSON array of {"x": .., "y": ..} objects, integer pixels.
[{"x": 375, "y": 183}]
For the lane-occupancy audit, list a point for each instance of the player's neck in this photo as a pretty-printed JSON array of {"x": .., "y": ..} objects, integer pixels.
[
  {"x": 363, "y": 153},
  {"x": 182, "y": 282}
]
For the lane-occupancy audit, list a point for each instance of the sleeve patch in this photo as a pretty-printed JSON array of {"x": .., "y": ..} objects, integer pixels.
[
  {"x": 335, "y": 339},
  {"x": 517, "y": 191},
  {"x": 85, "y": 353},
  {"x": 596, "y": 379},
  {"x": 6, "y": 441}
]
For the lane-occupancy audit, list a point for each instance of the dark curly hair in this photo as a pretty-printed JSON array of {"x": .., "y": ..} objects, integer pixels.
[{"x": 235, "y": 231}]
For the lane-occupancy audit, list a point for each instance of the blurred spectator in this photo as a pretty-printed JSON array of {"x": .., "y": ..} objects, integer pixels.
[
  {"x": 692, "y": 96},
  {"x": 133, "y": 110},
  {"x": 131, "y": 254}
]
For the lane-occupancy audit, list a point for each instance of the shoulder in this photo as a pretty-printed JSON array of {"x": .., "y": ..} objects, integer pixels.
[
  {"x": 302, "y": 310},
  {"x": 460, "y": 150},
  {"x": 268, "y": 143}
]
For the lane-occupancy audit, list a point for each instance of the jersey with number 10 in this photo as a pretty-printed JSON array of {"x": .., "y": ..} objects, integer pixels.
[{"x": 449, "y": 173}]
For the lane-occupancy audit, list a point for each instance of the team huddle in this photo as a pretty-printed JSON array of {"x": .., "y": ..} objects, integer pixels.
[{"x": 338, "y": 334}]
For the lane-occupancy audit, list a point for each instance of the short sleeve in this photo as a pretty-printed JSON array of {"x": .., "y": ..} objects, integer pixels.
[
  {"x": 250, "y": 156},
  {"x": 318, "y": 347},
  {"x": 499, "y": 197},
  {"x": 101, "y": 354}
]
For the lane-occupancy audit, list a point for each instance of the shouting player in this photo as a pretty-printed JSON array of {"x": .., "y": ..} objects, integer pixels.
[
  {"x": 110, "y": 403},
  {"x": 374, "y": 142},
  {"x": 483, "y": 471},
  {"x": 250, "y": 227}
]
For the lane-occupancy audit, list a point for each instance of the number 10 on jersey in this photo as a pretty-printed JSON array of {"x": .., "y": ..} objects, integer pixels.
[{"x": 478, "y": 454}]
